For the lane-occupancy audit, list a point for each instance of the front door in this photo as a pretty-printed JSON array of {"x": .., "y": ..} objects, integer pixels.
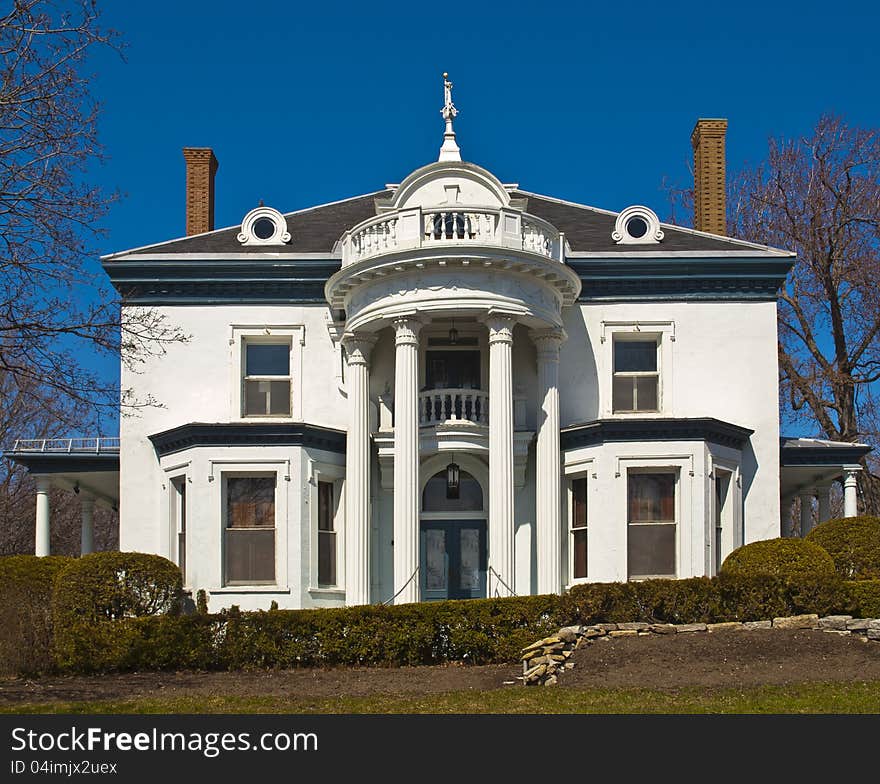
[{"x": 453, "y": 559}]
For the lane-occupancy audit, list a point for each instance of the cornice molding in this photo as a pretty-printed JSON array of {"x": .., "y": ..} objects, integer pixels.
[
  {"x": 699, "y": 429},
  {"x": 224, "y": 434}
]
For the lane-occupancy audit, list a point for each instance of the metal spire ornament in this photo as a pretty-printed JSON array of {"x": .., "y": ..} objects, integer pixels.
[{"x": 449, "y": 151}]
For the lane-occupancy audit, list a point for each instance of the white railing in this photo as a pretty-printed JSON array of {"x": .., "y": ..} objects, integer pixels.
[
  {"x": 453, "y": 405},
  {"x": 429, "y": 227},
  {"x": 67, "y": 445}
]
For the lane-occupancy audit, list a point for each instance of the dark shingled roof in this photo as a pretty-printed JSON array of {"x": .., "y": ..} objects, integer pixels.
[
  {"x": 590, "y": 230},
  {"x": 313, "y": 230},
  {"x": 317, "y": 229}
]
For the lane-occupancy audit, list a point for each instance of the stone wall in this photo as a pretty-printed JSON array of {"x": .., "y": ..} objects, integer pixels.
[{"x": 545, "y": 660}]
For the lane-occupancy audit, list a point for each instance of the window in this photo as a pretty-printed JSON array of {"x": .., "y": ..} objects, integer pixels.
[
  {"x": 178, "y": 521},
  {"x": 267, "y": 379},
  {"x": 326, "y": 536},
  {"x": 250, "y": 530},
  {"x": 722, "y": 515},
  {"x": 578, "y": 526},
  {"x": 651, "y": 524},
  {"x": 635, "y": 386}
]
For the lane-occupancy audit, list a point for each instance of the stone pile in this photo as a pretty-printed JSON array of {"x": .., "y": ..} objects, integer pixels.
[{"x": 543, "y": 661}]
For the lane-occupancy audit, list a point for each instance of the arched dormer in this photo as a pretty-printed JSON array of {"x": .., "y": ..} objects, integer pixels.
[{"x": 449, "y": 184}]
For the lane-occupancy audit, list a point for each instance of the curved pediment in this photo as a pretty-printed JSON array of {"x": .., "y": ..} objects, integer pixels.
[{"x": 447, "y": 183}]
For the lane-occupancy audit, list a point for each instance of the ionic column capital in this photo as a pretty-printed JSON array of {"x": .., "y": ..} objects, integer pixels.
[
  {"x": 43, "y": 483},
  {"x": 358, "y": 346},
  {"x": 850, "y": 475},
  {"x": 500, "y": 326},
  {"x": 406, "y": 331},
  {"x": 548, "y": 342},
  {"x": 86, "y": 501}
]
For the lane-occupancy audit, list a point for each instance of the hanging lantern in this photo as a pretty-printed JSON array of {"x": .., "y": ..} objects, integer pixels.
[
  {"x": 452, "y": 480},
  {"x": 453, "y": 335}
]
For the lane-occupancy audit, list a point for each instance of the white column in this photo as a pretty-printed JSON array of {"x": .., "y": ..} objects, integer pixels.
[
  {"x": 806, "y": 512},
  {"x": 850, "y": 485},
  {"x": 357, "y": 469},
  {"x": 87, "y": 508},
  {"x": 785, "y": 514},
  {"x": 501, "y": 523},
  {"x": 823, "y": 493},
  {"x": 406, "y": 459},
  {"x": 41, "y": 546},
  {"x": 548, "y": 471}
]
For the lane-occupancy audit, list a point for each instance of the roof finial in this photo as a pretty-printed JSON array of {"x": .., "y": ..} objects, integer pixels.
[{"x": 449, "y": 151}]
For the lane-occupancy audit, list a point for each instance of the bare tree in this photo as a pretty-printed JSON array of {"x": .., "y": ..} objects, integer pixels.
[
  {"x": 55, "y": 307},
  {"x": 820, "y": 196}
]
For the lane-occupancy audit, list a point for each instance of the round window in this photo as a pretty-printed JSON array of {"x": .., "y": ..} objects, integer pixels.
[
  {"x": 263, "y": 228},
  {"x": 637, "y": 227}
]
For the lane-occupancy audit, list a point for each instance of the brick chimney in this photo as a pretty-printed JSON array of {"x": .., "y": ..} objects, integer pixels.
[
  {"x": 710, "y": 202},
  {"x": 201, "y": 166}
]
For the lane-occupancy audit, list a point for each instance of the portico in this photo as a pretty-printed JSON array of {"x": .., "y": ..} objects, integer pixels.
[{"x": 452, "y": 246}]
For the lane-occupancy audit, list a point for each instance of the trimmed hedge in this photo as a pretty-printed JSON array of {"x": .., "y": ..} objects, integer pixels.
[
  {"x": 854, "y": 545},
  {"x": 477, "y": 631},
  {"x": 25, "y": 611},
  {"x": 863, "y": 598},
  {"x": 101, "y": 628},
  {"x": 790, "y": 558},
  {"x": 95, "y": 594}
]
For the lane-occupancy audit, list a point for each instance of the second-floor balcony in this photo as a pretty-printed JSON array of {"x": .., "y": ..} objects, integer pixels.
[
  {"x": 453, "y": 405},
  {"x": 437, "y": 227}
]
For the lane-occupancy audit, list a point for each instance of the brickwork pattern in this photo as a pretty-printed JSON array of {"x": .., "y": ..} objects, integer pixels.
[{"x": 710, "y": 201}]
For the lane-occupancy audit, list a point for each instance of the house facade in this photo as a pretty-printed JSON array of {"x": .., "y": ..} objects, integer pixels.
[{"x": 448, "y": 388}]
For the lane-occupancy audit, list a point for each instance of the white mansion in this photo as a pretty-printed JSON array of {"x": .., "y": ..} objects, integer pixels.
[{"x": 450, "y": 388}]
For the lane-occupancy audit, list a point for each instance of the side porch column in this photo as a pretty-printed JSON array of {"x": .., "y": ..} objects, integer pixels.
[
  {"x": 87, "y": 508},
  {"x": 406, "y": 459},
  {"x": 41, "y": 545},
  {"x": 806, "y": 511},
  {"x": 548, "y": 472},
  {"x": 786, "y": 527},
  {"x": 850, "y": 486},
  {"x": 501, "y": 523},
  {"x": 823, "y": 493},
  {"x": 357, "y": 469}
]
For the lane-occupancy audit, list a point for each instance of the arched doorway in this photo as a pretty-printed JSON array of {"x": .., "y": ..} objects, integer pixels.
[{"x": 452, "y": 539}]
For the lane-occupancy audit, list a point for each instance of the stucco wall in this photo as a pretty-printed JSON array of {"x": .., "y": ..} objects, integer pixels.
[{"x": 721, "y": 363}]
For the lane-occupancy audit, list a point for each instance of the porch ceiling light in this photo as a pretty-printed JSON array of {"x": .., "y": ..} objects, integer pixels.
[
  {"x": 453, "y": 335},
  {"x": 452, "y": 480}
]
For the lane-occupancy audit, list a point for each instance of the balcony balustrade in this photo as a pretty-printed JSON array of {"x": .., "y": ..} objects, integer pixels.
[
  {"x": 436, "y": 227},
  {"x": 453, "y": 405}
]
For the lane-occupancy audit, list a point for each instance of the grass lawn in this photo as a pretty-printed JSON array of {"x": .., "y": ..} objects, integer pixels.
[{"x": 798, "y": 698}]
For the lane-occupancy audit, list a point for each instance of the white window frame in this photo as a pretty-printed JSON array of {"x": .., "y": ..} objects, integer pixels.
[
  {"x": 678, "y": 489},
  {"x": 577, "y": 468},
  {"x": 174, "y": 476},
  {"x": 663, "y": 332},
  {"x": 732, "y": 537},
  {"x": 243, "y": 334},
  {"x": 246, "y": 470},
  {"x": 327, "y": 472},
  {"x": 572, "y": 580}
]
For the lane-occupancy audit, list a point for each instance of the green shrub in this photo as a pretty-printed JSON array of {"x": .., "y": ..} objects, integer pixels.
[
  {"x": 790, "y": 558},
  {"x": 94, "y": 593},
  {"x": 691, "y": 600},
  {"x": 25, "y": 612},
  {"x": 761, "y": 597},
  {"x": 863, "y": 598},
  {"x": 854, "y": 545}
]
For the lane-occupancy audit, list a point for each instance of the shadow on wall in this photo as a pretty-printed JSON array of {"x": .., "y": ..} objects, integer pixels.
[{"x": 578, "y": 374}]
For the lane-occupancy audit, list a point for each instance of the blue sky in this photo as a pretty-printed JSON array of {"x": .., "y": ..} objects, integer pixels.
[{"x": 306, "y": 103}]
